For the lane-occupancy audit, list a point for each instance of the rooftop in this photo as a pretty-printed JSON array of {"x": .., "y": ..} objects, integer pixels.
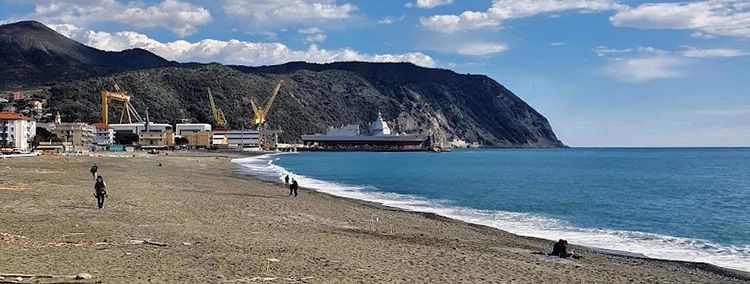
[{"x": 13, "y": 116}]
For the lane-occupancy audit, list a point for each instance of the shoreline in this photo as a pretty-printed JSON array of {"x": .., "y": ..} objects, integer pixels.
[
  {"x": 729, "y": 272},
  {"x": 220, "y": 225},
  {"x": 732, "y": 272}
]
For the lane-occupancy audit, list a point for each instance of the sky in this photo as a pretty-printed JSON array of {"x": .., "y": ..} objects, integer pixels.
[{"x": 604, "y": 72}]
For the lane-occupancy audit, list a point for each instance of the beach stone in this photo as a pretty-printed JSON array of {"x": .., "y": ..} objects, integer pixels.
[
  {"x": 273, "y": 260},
  {"x": 186, "y": 244},
  {"x": 84, "y": 276}
]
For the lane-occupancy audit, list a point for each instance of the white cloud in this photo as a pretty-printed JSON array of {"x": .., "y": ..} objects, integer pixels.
[
  {"x": 502, "y": 10},
  {"x": 480, "y": 48},
  {"x": 281, "y": 12},
  {"x": 711, "y": 17},
  {"x": 312, "y": 35},
  {"x": 713, "y": 52},
  {"x": 231, "y": 51},
  {"x": 559, "y": 43},
  {"x": 640, "y": 64},
  {"x": 604, "y": 51},
  {"x": 644, "y": 68},
  {"x": 179, "y": 17},
  {"x": 390, "y": 20},
  {"x": 427, "y": 4}
]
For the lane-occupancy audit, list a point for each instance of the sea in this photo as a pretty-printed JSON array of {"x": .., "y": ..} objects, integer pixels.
[{"x": 690, "y": 204}]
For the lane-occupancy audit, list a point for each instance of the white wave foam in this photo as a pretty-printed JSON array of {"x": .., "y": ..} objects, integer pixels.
[{"x": 648, "y": 244}]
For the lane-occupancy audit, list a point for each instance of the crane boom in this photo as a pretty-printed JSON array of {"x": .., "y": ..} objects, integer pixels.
[
  {"x": 221, "y": 121},
  {"x": 120, "y": 96},
  {"x": 260, "y": 114}
]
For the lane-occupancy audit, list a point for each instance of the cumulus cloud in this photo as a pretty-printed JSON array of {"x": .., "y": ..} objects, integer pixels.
[
  {"x": 706, "y": 18},
  {"x": 230, "y": 51},
  {"x": 281, "y": 12},
  {"x": 713, "y": 52},
  {"x": 427, "y": 4},
  {"x": 179, "y": 17},
  {"x": 502, "y": 10}
]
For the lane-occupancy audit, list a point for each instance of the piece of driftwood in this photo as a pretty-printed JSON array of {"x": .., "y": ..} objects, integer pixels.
[{"x": 155, "y": 243}]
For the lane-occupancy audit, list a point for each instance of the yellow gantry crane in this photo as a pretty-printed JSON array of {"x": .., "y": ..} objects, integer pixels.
[
  {"x": 221, "y": 121},
  {"x": 260, "y": 114},
  {"x": 120, "y": 96}
]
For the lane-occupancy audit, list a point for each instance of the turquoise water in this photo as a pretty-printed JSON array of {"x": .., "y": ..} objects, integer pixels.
[{"x": 684, "y": 204}]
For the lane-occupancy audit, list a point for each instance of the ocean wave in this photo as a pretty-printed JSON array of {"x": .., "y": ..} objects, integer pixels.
[{"x": 632, "y": 242}]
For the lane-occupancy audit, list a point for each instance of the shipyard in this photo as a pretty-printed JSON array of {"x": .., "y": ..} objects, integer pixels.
[{"x": 134, "y": 130}]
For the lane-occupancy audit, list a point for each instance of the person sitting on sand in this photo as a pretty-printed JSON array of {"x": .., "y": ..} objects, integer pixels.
[
  {"x": 100, "y": 189},
  {"x": 93, "y": 170},
  {"x": 561, "y": 249}
]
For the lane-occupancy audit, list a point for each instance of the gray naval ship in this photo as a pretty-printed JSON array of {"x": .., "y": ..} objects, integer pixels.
[{"x": 380, "y": 138}]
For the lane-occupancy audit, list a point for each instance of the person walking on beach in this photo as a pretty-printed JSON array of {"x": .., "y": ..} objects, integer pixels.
[
  {"x": 100, "y": 189},
  {"x": 286, "y": 180},
  {"x": 293, "y": 188},
  {"x": 93, "y": 171}
]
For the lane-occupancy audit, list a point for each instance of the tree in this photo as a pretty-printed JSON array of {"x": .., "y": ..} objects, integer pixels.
[
  {"x": 126, "y": 138},
  {"x": 43, "y": 135},
  {"x": 181, "y": 141}
]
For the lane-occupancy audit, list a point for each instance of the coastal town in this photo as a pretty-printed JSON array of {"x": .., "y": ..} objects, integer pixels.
[{"x": 28, "y": 128}]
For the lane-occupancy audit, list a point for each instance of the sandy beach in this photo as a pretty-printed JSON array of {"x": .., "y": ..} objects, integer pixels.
[{"x": 198, "y": 219}]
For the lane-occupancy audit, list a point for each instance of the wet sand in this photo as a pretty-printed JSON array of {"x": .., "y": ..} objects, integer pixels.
[{"x": 198, "y": 219}]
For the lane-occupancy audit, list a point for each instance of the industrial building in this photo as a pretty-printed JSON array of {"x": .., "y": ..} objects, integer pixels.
[
  {"x": 137, "y": 128},
  {"x": 16, "y": 131},
  {"x": 235, "y": 138},
  {"x": 191, "y": 127},
  {"x": 198, "y": 139},
  {"x": 156, "y": 138}
]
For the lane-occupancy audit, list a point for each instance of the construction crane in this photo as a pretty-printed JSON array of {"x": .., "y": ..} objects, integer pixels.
[
  {"x": 120, "y": 96},
  {"x": 260, "y": 114},
  {"x": 221, "y": 121}
]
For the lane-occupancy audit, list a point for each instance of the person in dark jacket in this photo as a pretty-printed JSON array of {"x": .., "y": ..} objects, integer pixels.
[
  {"x": 561, "y": 249},
  {"x": 100, "y": 189},
  {"x": 93, "y": 170},
  {"x": 293, "y": 188},
  {"x": 286, "y": 180}
]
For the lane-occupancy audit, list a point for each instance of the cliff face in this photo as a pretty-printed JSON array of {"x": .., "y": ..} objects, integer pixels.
[
  {"x": 450, "y": 105},
  {"x": 33, "y": 54},
  {"x": 413, "y": 99}
]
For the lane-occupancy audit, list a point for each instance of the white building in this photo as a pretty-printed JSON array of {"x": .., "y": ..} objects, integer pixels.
[
  {"x": 193, "y": 127},
  {"x": 137, "y": 128},
  {"x": 236, "y": 138},
  {"x": 16, "y": 131},
  {"x": 103, "y": 136}
]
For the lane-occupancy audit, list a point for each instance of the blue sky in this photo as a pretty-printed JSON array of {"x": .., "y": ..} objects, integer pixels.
[{"x": 604, "y": 72}]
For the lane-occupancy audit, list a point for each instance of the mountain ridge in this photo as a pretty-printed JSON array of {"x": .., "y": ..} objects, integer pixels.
[
  {"x": 414, "y": 99},
  {"x": 33, "y": 54}
]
